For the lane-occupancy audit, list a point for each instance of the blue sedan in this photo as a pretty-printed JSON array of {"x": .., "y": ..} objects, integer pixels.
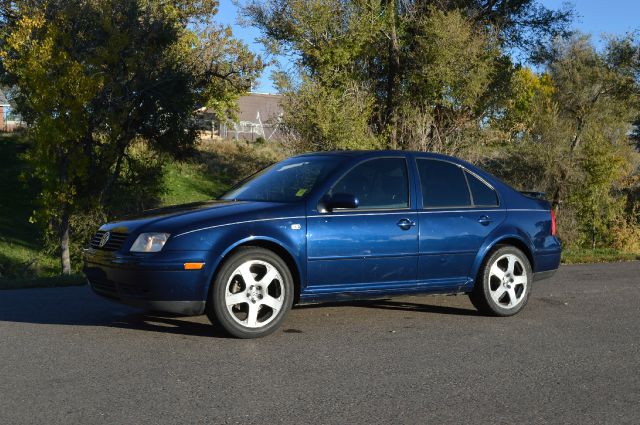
[{"x": 331, "y": 227}]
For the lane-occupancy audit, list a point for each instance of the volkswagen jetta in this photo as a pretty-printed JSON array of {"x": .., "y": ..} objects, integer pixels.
[{"x": 329, "y": 227}]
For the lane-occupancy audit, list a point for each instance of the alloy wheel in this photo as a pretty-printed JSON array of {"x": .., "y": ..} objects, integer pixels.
[
  {"x": 508, "y": 281},
  {"x": 254, "y": 294}
]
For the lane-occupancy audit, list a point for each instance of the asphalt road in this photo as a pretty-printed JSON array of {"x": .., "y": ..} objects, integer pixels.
[{"x": 572, "y": 356}]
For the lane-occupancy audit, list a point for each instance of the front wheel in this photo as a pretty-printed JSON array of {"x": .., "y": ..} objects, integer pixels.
[
  {"x": 504, "y": 283},
  {"x": 252, "y": 293}
]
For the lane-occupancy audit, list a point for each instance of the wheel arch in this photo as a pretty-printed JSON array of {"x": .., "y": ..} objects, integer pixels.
[
  {"x": 266, "y": 243},
  {"x": 514, "y": 240}
]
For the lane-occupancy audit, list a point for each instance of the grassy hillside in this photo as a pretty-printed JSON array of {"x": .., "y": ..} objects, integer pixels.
[
  {"x": 206, "y": 175},
  {"x": 215, "y": 166}
]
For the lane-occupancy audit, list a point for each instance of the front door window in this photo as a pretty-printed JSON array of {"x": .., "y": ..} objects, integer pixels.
[{"x": 378, "y": 184}]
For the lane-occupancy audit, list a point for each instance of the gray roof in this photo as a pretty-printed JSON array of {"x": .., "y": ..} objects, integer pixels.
[
  {"x": 3, "y": 99},
  {"x": 268, "y": 105}
]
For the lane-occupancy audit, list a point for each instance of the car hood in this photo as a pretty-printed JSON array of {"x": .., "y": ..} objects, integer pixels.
[{"x": 183, "y": 218}]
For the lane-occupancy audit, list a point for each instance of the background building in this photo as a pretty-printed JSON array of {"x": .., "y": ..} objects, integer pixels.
[
  {"x": 258, "y": 116},
  {"x": 9, "y": 119}
]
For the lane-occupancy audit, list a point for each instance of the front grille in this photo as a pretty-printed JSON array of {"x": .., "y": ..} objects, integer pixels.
[{"x": 114, "y": 243}]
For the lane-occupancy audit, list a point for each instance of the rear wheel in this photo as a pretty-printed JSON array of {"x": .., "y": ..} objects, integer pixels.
[
  {"x": 252, "y": 293},
  {"x": 504, "y": 283}
]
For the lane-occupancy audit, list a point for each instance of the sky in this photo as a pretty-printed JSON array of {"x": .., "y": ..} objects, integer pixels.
[{"x": 595, "y": 17}]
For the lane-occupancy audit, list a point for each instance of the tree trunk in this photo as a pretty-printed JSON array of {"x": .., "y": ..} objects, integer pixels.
[
  {"x": 392, "y": 75},
  {"x": 555, "y": 203},
  {"x": 555, "y": 199},
  {"x": 106, "y": 191},
  {"x": 65, "y": 257}
]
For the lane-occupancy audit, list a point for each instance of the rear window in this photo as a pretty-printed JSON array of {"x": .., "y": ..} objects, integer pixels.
[
  {"x": 483, "y": 195},
  {"x": 443, "y": 184}
]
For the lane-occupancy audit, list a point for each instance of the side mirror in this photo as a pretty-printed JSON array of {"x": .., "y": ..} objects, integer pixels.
[{"x": 338, "y": 200}]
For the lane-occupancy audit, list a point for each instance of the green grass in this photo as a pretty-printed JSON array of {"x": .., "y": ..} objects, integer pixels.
[
  {"x": 598, "y": 255},
  {"x": 189, "y": 182},
  {"x": 214, "y": 167}
]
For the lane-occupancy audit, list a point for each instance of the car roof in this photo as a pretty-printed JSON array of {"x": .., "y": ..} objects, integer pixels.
[{"x": 379, "y": 153}]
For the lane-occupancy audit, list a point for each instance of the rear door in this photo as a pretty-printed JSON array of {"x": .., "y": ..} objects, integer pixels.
[
  {"x": 374, "y": 244},
  {"x": 458, "y": 212}
]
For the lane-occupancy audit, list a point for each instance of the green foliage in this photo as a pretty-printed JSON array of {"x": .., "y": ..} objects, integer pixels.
[
  {"x": 531, "y": 96},
  {"x": 329, "y": 35},
  {"x": 451, "y": 63},
  {"x": 213, "y": 167},
  {"x": 595, "y": 206},
  {"x": 570, "y": 128},
  {"x": 317, "y": 117},
  {"x": 20, "y": 255},
  {"x": 455, "y": 77}
]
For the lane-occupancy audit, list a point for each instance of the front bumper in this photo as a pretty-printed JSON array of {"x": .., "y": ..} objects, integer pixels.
[{"x": 157, "y": 281}]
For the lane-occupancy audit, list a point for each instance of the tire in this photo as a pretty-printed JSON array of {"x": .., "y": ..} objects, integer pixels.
[
  {"x": 504, "y": 283},
  {"x": 252, "y": 293}
]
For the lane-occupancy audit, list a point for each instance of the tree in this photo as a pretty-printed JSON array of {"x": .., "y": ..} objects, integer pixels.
[
  {"x": 571, "y": 131},
  {"x": 455, "y": 75},
  {"x": 95, "y": 77},
  {"x": 316, "y": 117},
  {"x": 530, "y": 95},
  {"x": 593, "y": 90},
  {"x": 388, "y": 48}
]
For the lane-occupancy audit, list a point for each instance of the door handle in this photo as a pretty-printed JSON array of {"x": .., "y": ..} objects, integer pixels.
[
  {"x": 406, "y": 224},
  {"x": 485, "y": 220}
]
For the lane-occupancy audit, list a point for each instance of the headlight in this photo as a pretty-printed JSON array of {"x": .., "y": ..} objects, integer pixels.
[{"x": 149, "y": 242}]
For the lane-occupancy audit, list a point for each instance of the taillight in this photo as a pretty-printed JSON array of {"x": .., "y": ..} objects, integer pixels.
[{"x": 553, "y": 223}]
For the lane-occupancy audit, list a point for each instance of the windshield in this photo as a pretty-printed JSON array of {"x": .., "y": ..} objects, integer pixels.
[{"x": 287, "y": 181}]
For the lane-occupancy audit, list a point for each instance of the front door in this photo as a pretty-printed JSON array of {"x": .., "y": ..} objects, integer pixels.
[{"x": 374, "y": 245}]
